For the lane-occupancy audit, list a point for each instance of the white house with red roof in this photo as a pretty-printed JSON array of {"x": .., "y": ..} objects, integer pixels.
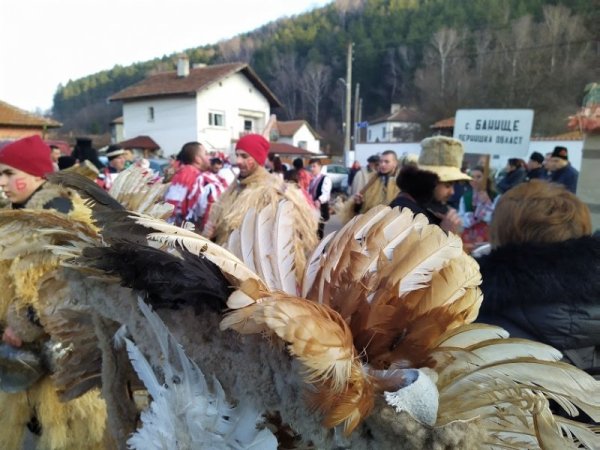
[
  {"x": 212, "y": 104},
  {"x": 400, "y": 125},
  {"x": 298, "y": 133}
]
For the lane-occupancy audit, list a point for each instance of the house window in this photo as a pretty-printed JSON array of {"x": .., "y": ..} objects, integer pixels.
[
  {"x": 151, "y": 114},
  {"x": 382, "y": 133},
  {"x": 369, "y": 137},
  {"x": 216, "y": 119},
  {"x": 302, "y": 144},
  {"x": 248, "y": 125},
  {"x": 397, "y": 132}
]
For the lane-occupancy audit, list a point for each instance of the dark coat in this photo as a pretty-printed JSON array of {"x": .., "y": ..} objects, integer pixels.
[
  {"x": 567, "y": 176},
  {"x": 511, "y": 179},
  {"x": 546, "y": 292},
  {"x": 537, "y": 174}
]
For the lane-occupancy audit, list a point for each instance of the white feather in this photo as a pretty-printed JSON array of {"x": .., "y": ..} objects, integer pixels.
[
  {"x": 284, "y": 265},
  {"x": 314, "y": 264},
  {"x": 263, "y": 247},
  {"x": 184, "y": 413}
]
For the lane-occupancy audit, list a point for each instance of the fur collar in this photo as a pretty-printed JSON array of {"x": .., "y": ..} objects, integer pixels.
[{"x": 528, "y": 274}]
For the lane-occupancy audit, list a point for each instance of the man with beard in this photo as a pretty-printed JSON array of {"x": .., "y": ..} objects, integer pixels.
[
  {"x": 427, "y": 188},
  {"x": 256, "y": 188}
]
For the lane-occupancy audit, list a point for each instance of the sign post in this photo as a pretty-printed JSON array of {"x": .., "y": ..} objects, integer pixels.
[{"x": 500, "y": 133}]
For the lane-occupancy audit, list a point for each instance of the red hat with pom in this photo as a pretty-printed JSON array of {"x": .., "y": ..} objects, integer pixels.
[
  {"x": 30, "y": 154},
  {"x": 256, "y": 146}
]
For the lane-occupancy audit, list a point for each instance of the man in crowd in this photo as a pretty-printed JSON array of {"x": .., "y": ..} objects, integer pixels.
[
  {"x": 24, "y": 315},
  {"x": 427, "y": 188},
  {"x": 535, "y": 167},
  {"x": 561, "y": 170},
  {"x": 320, "y": 192},
  {"x": 194, "y": 188},
  {"x": 55, "y": 153},
  {"x": 380, "y": 189},
  {"x": 256, "y": 188},
  {"x": 116, "y": 165},
  {"x": 362, "y": 176}
]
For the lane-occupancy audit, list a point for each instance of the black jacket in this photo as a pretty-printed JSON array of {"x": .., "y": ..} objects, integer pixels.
[{"x": 547, "y": 292}]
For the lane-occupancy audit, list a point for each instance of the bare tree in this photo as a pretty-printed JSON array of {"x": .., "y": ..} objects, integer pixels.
[
  {"x": 444, "y": 43},
  {"x": 314, "y": 81},
  {"x": 286, "y": 81}
]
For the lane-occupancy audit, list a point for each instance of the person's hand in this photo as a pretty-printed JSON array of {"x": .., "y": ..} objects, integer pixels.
[
  {"x": 10, "y": 337},
  {"x": 358, "y": 198},
  {"x": 450, "y": 221}
]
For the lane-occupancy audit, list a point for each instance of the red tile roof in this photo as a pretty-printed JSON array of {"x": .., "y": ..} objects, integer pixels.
[
  {"x": 568, "y": 136},
  {"x": 16, "y": 117},
  {"x": 169, "y": 84},
  {"x": 140, "y": 142},
  {"x": 403, "y": 115},
  {"x": 287, "y": 149},
  {"x": 444, "y": 123}
]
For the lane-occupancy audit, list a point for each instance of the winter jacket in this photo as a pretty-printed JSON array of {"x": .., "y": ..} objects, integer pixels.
[
  {"x": 567, "y": 176},
  {"x": 511, "y": 179},
  {"x": 547, "y": 292}
]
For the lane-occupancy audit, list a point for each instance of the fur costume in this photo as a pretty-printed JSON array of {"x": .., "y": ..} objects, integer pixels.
[
  {"x": 375, "y": 193},
  {"x": 257, "y": 191},
  {"x": 75, "y": 424}
]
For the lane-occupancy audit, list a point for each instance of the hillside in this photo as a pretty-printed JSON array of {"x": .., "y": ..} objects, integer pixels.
[{"x": 435, "y": 55}]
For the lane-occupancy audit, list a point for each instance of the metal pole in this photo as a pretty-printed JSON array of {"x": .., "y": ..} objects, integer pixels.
[{"x": 348, "y": 129}]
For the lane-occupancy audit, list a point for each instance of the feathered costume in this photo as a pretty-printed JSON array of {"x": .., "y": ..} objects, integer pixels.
[
  {"x": 264, "y": 190},
  {"x": 381, "y": 348},
  {"x": 64, "y": 404},
  {"x": 25, "y": 266}
]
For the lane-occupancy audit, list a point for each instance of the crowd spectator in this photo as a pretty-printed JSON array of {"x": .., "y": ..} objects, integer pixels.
[
  {"x": 55, "y": 153},
  {"x": 304, "y": 176},
  {"x": 476, "y": 208},
  {"x": 354, "y": 169},
  {"x": 541, "y": 280},
  {"x": 515, "y": 173},
  {"x": 426, "y": 189},
  {"x": 535, "y": 167},
  {"x": 83, "y": 151},
  {"x": 116, "y": 165},
  {"x": 194, "y": 188},
  {"x": 363, "y": 175},
  {"x": 561, "y": 170},
  {"x": 320, "y": 191},
  {"x": 381, "y": 188}
]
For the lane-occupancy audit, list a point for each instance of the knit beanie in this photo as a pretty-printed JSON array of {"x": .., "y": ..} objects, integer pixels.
[
  {"x": 30, "y": 154},
  {"x": 256, "y": 146},
  {"x": 537, "y": 157}
]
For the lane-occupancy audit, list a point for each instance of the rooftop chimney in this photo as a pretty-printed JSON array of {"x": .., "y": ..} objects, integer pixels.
[
  {"x": 396, "y": 107},
  {"x": 183, "y": 66}
]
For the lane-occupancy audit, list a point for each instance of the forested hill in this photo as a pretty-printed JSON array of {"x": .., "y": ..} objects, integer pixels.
[{"x": 434, "y": 55}]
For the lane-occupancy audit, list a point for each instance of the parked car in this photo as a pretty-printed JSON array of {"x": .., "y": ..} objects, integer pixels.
[{"x": 338, "y": 174}]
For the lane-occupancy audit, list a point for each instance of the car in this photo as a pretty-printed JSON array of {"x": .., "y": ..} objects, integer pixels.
[{"x": 338, "y": 175}]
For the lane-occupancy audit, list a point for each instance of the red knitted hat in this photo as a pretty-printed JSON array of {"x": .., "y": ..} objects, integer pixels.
[
  {"x": 30, "y": 154},
  {"x": 256, "y": 146}
]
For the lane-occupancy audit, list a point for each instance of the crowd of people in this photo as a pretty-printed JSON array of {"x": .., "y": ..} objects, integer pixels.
[{"x": 538, "y": 277}]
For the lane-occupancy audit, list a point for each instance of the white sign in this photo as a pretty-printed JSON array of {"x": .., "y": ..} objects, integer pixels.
[{"x": 503, "y": 133}]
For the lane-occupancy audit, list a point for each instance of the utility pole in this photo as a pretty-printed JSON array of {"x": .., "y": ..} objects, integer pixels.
[
  {"x": 356, "y": 117},
  {"x": 348, "y": 128}
]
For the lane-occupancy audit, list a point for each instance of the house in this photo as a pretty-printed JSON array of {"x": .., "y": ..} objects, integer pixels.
[
  {"x": 298, "y": 133},
  {"x": 400, "y": 125},
  {"x": 215, "y": 104},
  {"x": 116, "y": 130},
  {"x": 444, "y": 127},
  {"x": 16, "y": 123}
]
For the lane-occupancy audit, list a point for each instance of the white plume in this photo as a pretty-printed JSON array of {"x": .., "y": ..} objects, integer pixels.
[{"x": 184, "y": 413}]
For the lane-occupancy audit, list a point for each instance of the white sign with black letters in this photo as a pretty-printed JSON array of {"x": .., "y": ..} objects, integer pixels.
[{"x": 503, "y": 133}]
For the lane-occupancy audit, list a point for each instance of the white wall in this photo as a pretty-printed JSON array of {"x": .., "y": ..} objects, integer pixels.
[
  {"x": 363, "y": 151},
  {"x": 237, "y": 98},
  {"x": 174, "y": 122},
  {"x": 376, "y": 131}
]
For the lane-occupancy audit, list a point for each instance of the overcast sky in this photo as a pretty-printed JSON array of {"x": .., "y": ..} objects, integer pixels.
[{"x": 47, "y": 42}]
